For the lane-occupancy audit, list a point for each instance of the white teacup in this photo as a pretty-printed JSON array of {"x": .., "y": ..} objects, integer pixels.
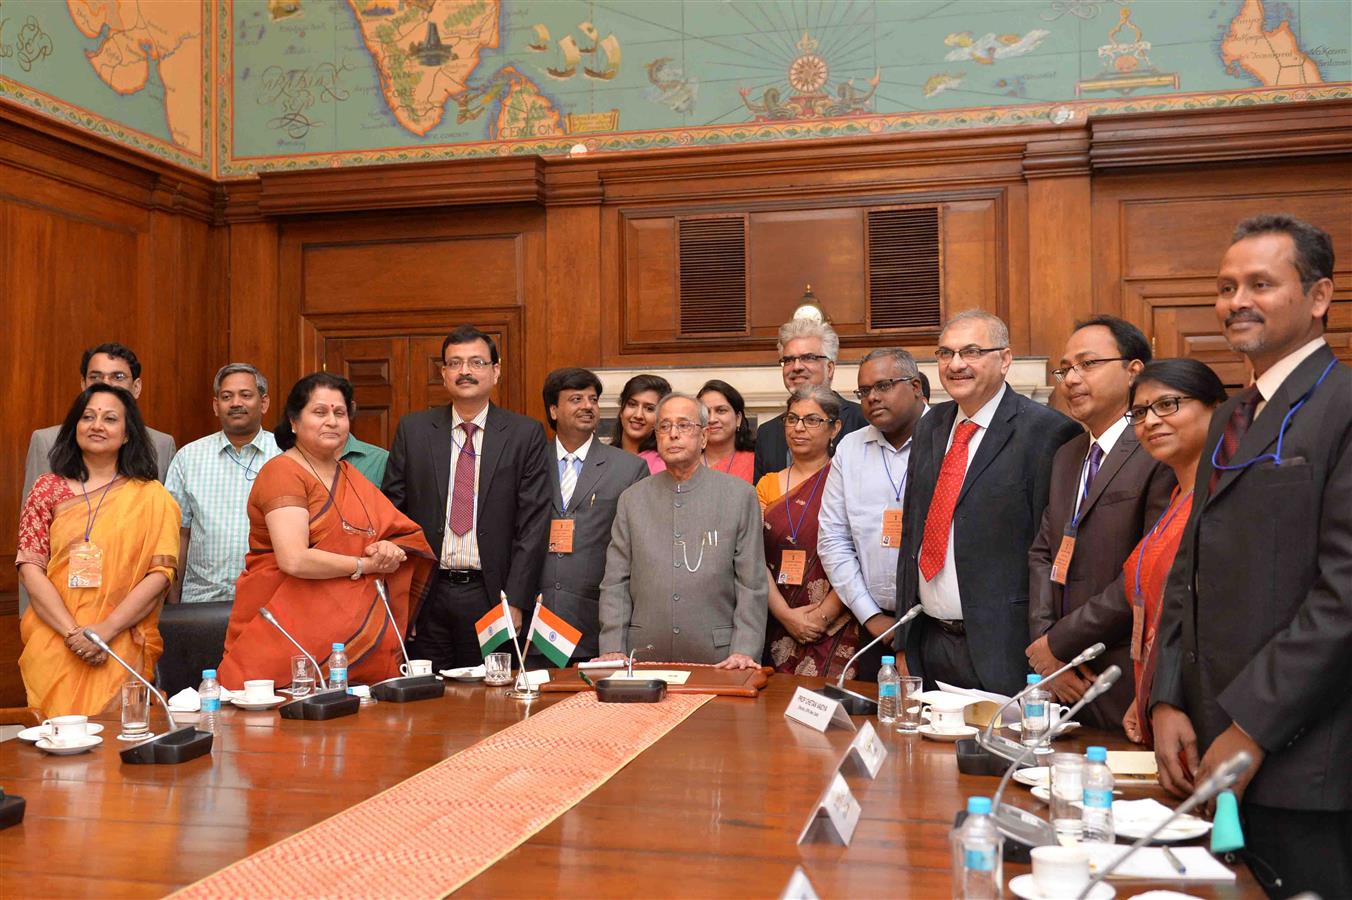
[
  {"x": 259, "y": 691},
  {"x": 416, "y": 667},
  {"x": 948, "y": 721},
  {"x": 62, "y": 731},
  {"x": 1060, "y": 871}
]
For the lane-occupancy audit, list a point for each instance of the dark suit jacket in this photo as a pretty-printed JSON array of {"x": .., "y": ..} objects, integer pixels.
[
  {"x": 513, "y": 501},
  {"x": 571, "y": 582},
  {"x": 1257, "y": 621},
  {"x": 1129, "y": 494},
  {"x": 772, "y": 448},
  {"x": 997, "y": 516}
]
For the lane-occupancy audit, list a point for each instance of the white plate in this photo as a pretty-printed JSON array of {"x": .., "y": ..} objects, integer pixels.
[
  {"x": 1024, "y": 886},
  {"x": 1062, "y": 730},
  {"x": 1034, "y": 775},
  {"x": 32, "y": 735},
  {"x": 467, "y": 674},
  {"x": 88, "y": 743},
  {"x": 1184, "y": 828},
  {"x": 948, "y": 737},
  {"x": 1043, "y": 793},
  {"x": 265, "y": 704}
]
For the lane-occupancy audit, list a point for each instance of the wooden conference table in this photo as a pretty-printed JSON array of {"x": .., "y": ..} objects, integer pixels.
[{"x": 712, "y": 809}]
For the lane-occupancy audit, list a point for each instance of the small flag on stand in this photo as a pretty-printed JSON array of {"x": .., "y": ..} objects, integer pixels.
[
  {"x": 552, "y": 636},
  {"x": 494, "y": 629}
]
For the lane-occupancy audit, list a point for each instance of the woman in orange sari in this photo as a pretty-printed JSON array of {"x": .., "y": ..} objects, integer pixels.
[
  {"x": 98, "y": 545},
  {"x": 320, "y": 535}
]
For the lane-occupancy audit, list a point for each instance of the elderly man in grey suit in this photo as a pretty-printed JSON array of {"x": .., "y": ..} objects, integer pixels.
[
  {"x": 584, "y": 488},
  {"x": 685, "y": 573}
]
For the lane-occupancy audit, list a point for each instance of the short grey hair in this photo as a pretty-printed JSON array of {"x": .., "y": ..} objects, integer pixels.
[
  {"x": 904, "y": 360},
  {"x": 996, "y": 328},
  {"x": 678, "y": 395},
  {"x": 239, "y": 369},
  {"x": 821, "y": 395},
  {"x": 810, "y": 328}
]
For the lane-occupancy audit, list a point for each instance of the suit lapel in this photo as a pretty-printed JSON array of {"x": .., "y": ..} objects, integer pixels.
[
  {"x": 495, "y": 440},
  {"x": 555, "y": 491},
  {"x": 439, "y": 448},
  {"x": 993, "y": 441},
  {"x": 945, "y": 417},
  {"x": 1122, "y": 450},
  {"x": 589, "y": 476}
]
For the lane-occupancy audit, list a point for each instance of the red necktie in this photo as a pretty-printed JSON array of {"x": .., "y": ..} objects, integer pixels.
[
  {"x": 462, "y": 494},
  {"x": 945, "y": 500},
  {"x": 1240, "y": 420}
]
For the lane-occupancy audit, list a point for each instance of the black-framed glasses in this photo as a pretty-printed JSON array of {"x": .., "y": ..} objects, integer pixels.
[
  {"x": 685, "y": 428},
  {"x": 475, "y": 363},
  {"x": 811, "y": 421},
  {"x": 968, "y": 354},
  {"x": 115, "y": 378},
  {"x": 1084, "y": 368},
  {"x": 1164, "y": 406},
  {"x": 805, "y": 358},
  {"x": 880, "y": 387}
]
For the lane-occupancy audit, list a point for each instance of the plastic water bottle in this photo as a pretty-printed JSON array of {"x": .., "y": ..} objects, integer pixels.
[
  {"x": 889, "y": 691},
  {"x": 1098, "y": 797},
  {"x": 977, "y": 854},
  {"x": 338, "y": 669},
  {"x": 210, "y": 694},
  {"x": 1035, "y": 718}
]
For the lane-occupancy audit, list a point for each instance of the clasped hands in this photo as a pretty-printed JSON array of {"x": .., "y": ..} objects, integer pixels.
[
  {"x": 84, "y": 648},
  {"x": 1176, "y": 753},
  {"x": 1070, "y": 687},
  {"x": 383, "y": 557}
]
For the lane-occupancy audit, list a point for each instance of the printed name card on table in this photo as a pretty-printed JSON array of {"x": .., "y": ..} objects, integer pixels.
[
  {"x": 835, "y": 814},
  {"x": 816, "y": 711},
  {"x": 799, "y": 887},
  {"x": 866, "y": 753}
]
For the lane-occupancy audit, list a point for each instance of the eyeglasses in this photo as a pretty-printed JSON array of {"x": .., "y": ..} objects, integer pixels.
[
  {"x": 475, "y": 363},
  {"x": 881, "y": 387},
  {"x": 811, "y": 422},
  {"x": 968, "y": 354},
  {"x": 107, "y": 377},
  {"x": 806, "y": 359},
  {"x": 1084, "y": 368},
  {"x": 1164, "y": 406},
  {"x": 682, "y": 428}
]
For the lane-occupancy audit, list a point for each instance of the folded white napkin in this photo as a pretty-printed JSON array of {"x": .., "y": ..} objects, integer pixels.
[{"x": 188, "y": 700}]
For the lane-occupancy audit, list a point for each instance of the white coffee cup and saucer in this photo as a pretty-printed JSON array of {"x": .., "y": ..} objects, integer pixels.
[
  {"x": 38, "y": 732},
  {"x": 415, "y": 668},
  {"x": 257, "y": 695},
  {"x": 1059, "y": 873},
  {"x": 946, "y": 724},
  {"x": 67, "y": 735}
]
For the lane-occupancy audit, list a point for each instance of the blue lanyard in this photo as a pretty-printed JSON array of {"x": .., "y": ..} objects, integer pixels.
[
  {"x": 1281, "y": 432},
  {"x": 788, "y": 501},
  {"x": 249, "y": 473},
  {"x": 896, "y": 488},
  {"x": 92, "y": 512},
  {"x": 1160, "y": 526}
]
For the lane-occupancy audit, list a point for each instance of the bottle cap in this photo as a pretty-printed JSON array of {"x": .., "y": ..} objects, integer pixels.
[
  {"x": 337, "y": 646},
  {"x": 1097, "y": 754},
  {"x": 1226, "y": 834},
  {"x": 1034, "y": 678},
  {"x": 208, "y": 673},
  {"x": 980, "y": 806},
  {"x": 889, "y": 660}
]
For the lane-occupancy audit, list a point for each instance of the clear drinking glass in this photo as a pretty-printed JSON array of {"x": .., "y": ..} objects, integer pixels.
[
  {"x": 302, "y": 676},
  {"x": 1067, "y": 789},
  {"x": 908, "y": 716},
  {"x": 498, "y": 668},
  {"x": 135, "y": 710}
]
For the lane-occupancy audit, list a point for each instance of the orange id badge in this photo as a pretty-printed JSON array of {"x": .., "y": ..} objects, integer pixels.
[
  {"x": 1061, "y": 565},
  {"x": 560, "y": 535},
  {"x": 792, "y": 564},
  {"x": 86, "y": 565},
  {"x": 892, "y": 528}
]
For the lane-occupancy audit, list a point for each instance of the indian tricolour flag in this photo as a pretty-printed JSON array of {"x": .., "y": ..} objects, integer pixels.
[
  {"x": 552, "y": 636},
  {"x": 494, "y": 629}
]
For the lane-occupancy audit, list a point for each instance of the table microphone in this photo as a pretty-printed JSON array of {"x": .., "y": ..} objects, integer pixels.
[
  {"x": 1225, "y": 775},
  {"x": 323, "y": 704},
  {"x": 857, "y": 704},
  {"x": 272, "y": 620},
  {"x": 176, "y": 745},
  {"x": 408, "y": 687},
  {"x": 1003, "y": 746}
]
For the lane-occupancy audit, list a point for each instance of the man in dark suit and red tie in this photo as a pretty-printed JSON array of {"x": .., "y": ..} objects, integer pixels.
[
  {"x": 1255, "y": 638},
  {"x": 474, "y": 478},
  {"x": 976, "y": 486}
]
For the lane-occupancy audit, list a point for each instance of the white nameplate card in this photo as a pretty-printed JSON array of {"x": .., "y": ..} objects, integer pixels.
[
  {"x": 537, "y": 678},
  {"x": 816, "y": 711},
  {"x": 669, "y": 676},
  {"x": 799, "y": 887},
  {"x": 835, "y": 815},
  {"x": 866, "y": 753}
]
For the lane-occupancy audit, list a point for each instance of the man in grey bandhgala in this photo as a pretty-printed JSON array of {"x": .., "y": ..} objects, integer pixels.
[{"x": 685, "y": 572}]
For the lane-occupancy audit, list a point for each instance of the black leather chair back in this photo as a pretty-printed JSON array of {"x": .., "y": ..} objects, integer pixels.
[{"x": 194, "y": 639}]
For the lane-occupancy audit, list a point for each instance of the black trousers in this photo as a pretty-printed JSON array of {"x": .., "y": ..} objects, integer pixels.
[
  {"x": 444, "y": 630},
  {"x": 1291, "y": 851},
  {"x": 944, "y": 657}
]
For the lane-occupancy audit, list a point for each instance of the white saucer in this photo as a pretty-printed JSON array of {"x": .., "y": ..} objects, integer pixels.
[
  {"x": 948, "y": 737},
  {"x": 37, "y": 732},
  {"x": 1062, "y": 730},
  {"x": 1184, "y": 828},
  {"x": 1024, "y": 886},
  {"x": 266, "y": 704},
  {"x": 1044, "y": 793},
  {"x": 1034, "y": 775},
  {"x": 468, "y": 674},
  {"x": 88, "y": 743}
]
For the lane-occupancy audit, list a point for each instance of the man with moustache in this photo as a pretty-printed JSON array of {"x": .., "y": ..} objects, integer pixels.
[
  {"x": 210, "y": 479},
  {"x": 1256, "y": 626},
  {"x": 976, "y": 487},
  {"x": 475, "y": 478},
  {"x": 807, "y": 355},
  {"x": 584, "y": 487},
  {"x": 685, "y": 572},
  {"x": 1106, "y": 492},
  {"x": 859, "y": 529}
]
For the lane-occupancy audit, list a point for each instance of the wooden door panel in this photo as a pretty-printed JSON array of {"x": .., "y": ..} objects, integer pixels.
[{"x": 378, "y": 368}]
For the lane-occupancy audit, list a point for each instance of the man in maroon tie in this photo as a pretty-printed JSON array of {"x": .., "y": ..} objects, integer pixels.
[
  {"x": 474, "y": 477},
  {"x": 976, "y": 487}
]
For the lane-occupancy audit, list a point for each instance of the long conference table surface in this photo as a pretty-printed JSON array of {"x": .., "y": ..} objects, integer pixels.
[{"x": 712, "y": 809}]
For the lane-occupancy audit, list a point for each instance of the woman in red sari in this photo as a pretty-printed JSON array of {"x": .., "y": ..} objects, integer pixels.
[
  {"x": 320, "y": 535},
  {"x": 1170, "y": 404},
  {"x": 809, "y": 630}
]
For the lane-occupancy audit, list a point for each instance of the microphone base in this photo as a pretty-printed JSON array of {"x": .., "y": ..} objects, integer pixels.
[
  {"x": 321, "y": 706},
  {"x": 178, "y": 746},
  {"x": 974, "y": 759},
  {"x": 1021, "y": 830},
  {"x": 11, "y": 810},
  {"x": 854, "y": 704},
  {"x": 408, "y": 689}
]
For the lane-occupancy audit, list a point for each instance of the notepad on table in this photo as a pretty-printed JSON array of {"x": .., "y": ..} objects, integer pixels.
[
  {"x": 1139, "y": 763},
  {"x": 1150, "y": 862}
]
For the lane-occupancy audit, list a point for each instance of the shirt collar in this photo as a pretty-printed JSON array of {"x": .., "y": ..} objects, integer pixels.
[
  {"x": 256, "y": 442},
  {"x": 580, "y": 452},
  {"x": 986, "y": 414},
  {"x": 873, "y": 436},
  {"x": 1110, "y": 436},
  {"x": 479, "y": 419},
  {"x": 1272, "y": 379}
]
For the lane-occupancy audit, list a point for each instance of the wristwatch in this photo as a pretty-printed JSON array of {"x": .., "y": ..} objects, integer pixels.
[{"x": 360, "y": 565}]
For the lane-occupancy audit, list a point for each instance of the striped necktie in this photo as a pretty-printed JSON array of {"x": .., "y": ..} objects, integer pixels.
[{"x": 568, "y": 467}]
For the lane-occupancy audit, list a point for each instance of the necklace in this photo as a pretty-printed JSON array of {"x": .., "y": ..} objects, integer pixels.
[
  {"x": 369, "y": 531},
  {"x": 722, "y": 467}
]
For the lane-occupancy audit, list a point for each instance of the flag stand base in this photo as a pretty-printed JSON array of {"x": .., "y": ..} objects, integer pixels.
[{"x": 527, "y": 695}]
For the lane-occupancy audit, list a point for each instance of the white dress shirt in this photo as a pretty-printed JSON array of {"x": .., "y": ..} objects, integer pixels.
[
  {"x": 1272, "y": 379},
  {"x": 461, "y": 551},
  {"x": 580, "y": 454},
  {"x": 940, "y": 597}
]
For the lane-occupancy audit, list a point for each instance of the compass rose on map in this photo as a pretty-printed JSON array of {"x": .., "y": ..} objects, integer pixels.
[
  {"x": 808, "y": 77},
  {"x": 808, "y": 73}
]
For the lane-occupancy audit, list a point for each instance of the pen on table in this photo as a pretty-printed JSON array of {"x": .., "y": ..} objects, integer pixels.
[{"x": 1175, "y": 861}]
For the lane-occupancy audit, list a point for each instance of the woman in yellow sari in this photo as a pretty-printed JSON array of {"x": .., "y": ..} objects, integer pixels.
[{"x": 98, "y": 544}]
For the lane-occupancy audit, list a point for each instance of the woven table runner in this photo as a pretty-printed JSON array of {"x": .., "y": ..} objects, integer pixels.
[{"x": 412, "y": 839}]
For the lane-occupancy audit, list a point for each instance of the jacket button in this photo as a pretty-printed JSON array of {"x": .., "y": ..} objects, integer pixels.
[
  {"x": 1192, "y": 658},
  {"x": 558, "y": 585},
  {"x": 675, "y": 596},
  {"x": 675, "y": 631}
]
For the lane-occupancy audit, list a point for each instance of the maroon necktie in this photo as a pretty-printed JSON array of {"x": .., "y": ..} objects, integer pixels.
[
  {"x": 934, "y": 548},
  {"x": 462, "y": 493},
  {"x": 1240, "y": 420}
]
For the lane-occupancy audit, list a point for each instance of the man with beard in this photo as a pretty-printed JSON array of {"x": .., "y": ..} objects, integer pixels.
[
  {"x": 475, "y": 478},
  {"x": 211, "y": 479},
  {"x": 584, "y": 487}
]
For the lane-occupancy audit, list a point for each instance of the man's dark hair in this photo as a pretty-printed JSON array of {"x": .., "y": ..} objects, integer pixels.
[
  {"x": 1131, "y": 343},
  {"x": 745, "y": 438},
  {"x": 569, "y": 379},
  {"x": 1187, "y": 376},
  {"x": 468, "y": 334},
  {"x": 924, "y": 385},
  {"x": 116, "y": 351},
  {"x": 135, "y": 459},
  {"x": 299, "y": 398},
  {"x": 1314, "y": 247}
]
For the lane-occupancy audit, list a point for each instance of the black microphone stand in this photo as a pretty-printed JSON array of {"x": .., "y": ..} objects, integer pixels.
[
  {"x": 854, "y": 703},
  {"x": 408, "y": 687}
]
